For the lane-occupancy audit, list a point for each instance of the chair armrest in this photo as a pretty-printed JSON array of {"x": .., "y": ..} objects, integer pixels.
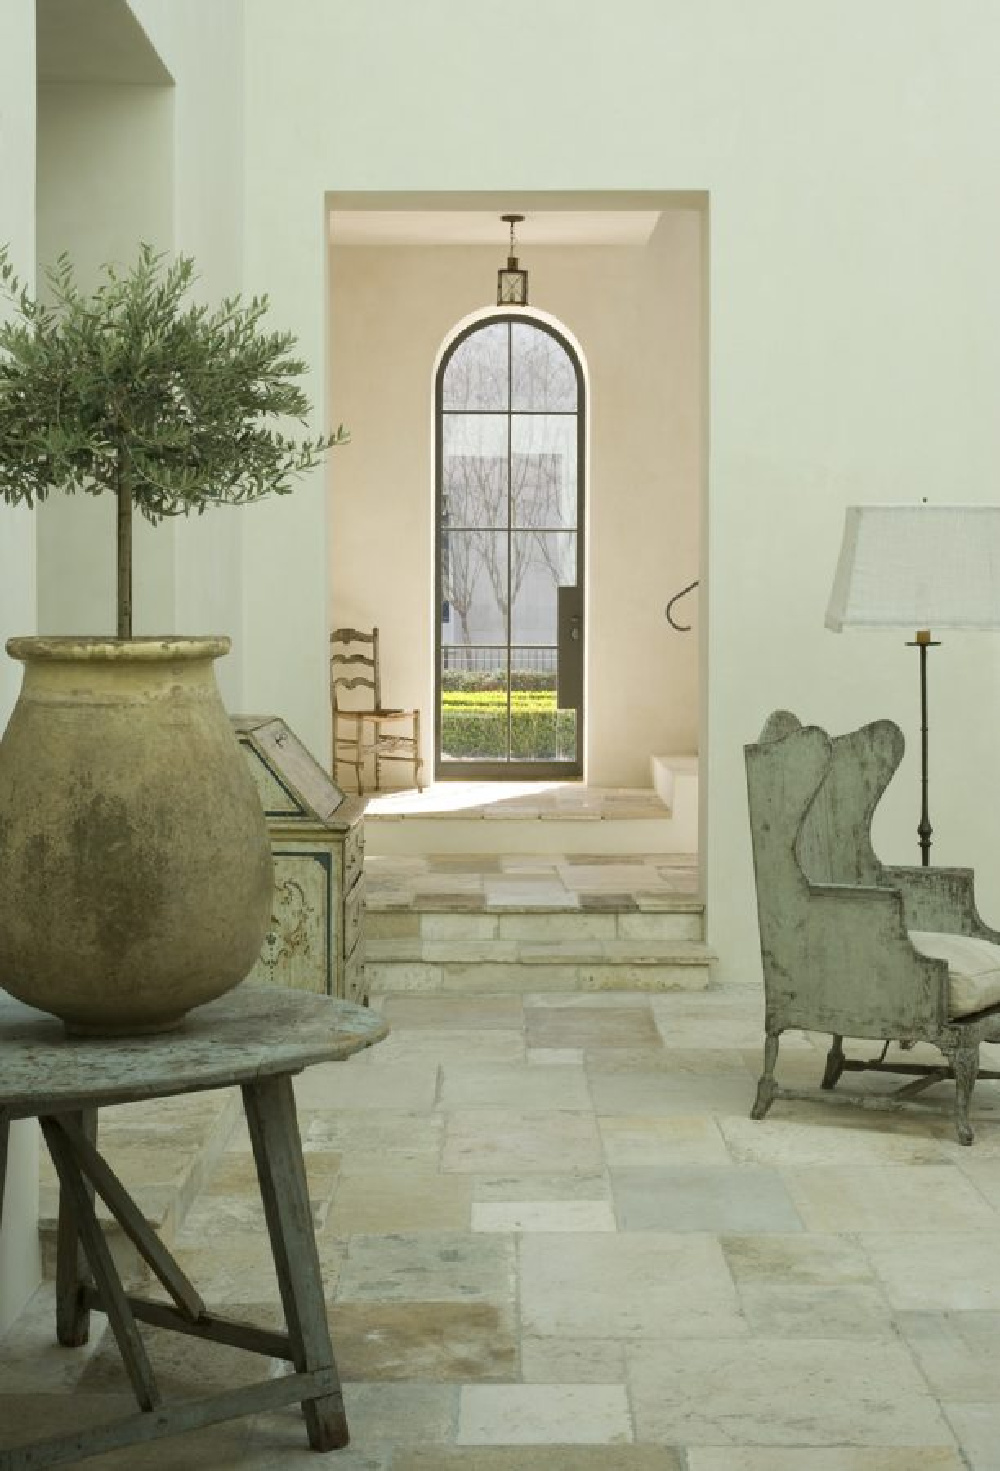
[
  {"x": 875, "y": 984},
  {"x": 940, "y": 899}
]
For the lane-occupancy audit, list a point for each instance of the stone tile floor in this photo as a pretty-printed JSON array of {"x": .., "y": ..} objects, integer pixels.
[
  {"x": 552, "y": 881},
  {"x": 558, "y": 801},
  {"x": 553, "y": 1240}
]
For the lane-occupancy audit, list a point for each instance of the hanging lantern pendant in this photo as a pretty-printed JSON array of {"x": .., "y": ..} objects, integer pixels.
[{"x": 512, "y": 282}]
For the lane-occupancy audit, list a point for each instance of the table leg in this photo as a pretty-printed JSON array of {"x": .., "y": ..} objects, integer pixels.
[
  {"x": 277, "y": 1148},
  {"x": 73, "y": 1273},
  {"x": 4, "y": 1137}
]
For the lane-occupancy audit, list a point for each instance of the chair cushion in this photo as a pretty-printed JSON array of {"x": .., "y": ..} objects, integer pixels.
[{"x": 973, "y": 968}]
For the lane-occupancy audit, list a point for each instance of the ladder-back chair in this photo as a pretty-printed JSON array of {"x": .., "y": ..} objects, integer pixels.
[{"x": 362, "y": 726}]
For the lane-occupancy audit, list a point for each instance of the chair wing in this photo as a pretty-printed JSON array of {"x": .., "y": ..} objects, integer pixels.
[{"x": 835, "y": 925}]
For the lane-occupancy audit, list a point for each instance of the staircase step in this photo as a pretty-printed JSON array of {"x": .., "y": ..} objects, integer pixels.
[
  {"x": 508, "y": 931},
  {"x": 163, "y": 1150},
  {"x": 513, "y": 966}
]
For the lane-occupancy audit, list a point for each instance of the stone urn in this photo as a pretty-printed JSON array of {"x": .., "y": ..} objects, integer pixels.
[{"x": 135, "y": 868}]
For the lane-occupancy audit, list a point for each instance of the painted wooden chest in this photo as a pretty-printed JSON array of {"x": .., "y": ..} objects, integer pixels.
[{"x": 316, "y": 940}]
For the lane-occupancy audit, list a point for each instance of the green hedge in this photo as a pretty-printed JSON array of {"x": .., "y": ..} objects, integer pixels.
[
  {"x": 466, "y": 681},
  {"x": 535, "y": 734}
]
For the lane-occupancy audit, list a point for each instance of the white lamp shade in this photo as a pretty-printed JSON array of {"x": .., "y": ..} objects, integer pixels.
[{"x": 918, "y": 567}]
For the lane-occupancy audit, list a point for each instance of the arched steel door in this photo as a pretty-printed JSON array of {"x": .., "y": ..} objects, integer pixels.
[{"x": 509, "y": 414}]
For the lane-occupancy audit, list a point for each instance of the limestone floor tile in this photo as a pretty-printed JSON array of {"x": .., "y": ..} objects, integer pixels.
[
  {"x": 185, "y": 1367},
  {"x": 977, "y": 1427},
  {"x": 633, "y": 1140},
  {"x": 360, "y": 1138},
  {"x": 441, "y": 1266},
  {"x": 472, "y": 1085},
  {"x": 959, "y": 1353},
  {"x": 661, "y": 1093},
  {"x": 240, "y": 1270},
  {"x": 493, "y": 1141},
  {"x": 464, "y": 1342},
  {"x": 410, "y": 1086},
  {"x": 513, "y": 892},
  {"x": 949, "y": 1271},
  {"x": 616, "y": 875},
  {"x": 379, "y": 1417},
  {"x": 837, "y": 1458},
  {"x": 554, "y": 1057},
  {"x": 573, "y": 1360},
  {"x": 987, "y": 1127},
  {"x": 897, "y": 1198},
  {"x": 492, "y": 1047},
  {"x": 839, "y": 1138},
  {"x": 585, "y": 1001},
  {"x": 798, "y": 1261},
  {"x": 235, "y": 1174},
  {"x": 36, "y": 1417},
  {"x": 540, "y": 1458},
  {"x": 591, "y": 1026},
  {"x": 781, "y": 1392},
  {"x": 213, "y": 1216},
  {"x": 699, "y": 1030},
  {"x": 849, "y": 1310},
  {"x": 453, "y": 1013},
  {"x": 32, "y": 1361},
  {"x": 543, "y": 1414},
  {"x": 543, "y": 1215},
  {"x": 642, "y": 1285},
  {"x": 386, "y": 1200},
  {"x": 983, "y": 1173},
  {"x": 588, "y": 1185},
  {"x": 730, "y": 1198}
]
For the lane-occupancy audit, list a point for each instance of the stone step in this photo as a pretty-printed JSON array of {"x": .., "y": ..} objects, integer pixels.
[
  {"x": 163, "y": 1151},
  {"x": 518, "y": 966},
  {"x": 506, "y": 928}
]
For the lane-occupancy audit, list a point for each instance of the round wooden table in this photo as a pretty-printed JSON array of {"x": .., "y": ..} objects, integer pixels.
[{"x": 255, "y": 1038}]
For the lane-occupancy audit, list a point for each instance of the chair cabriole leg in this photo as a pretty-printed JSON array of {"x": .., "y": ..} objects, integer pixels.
[{"x": 767, "y": 1087}]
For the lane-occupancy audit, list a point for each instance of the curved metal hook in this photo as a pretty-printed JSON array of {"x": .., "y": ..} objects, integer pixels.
[{"x": 680, "y": 627}]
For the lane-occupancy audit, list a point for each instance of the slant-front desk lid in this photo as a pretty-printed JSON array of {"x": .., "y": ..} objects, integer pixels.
[{"x": 293, "y": 786}]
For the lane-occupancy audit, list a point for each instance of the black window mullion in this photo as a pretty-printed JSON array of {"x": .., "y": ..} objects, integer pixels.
[{"x": 510, "y": 520}]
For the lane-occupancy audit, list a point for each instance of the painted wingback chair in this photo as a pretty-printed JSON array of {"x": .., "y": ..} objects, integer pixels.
[{"x": 849, "y": 946}]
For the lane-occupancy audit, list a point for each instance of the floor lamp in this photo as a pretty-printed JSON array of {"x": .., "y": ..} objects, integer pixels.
[{"x": 918, "y": 567}]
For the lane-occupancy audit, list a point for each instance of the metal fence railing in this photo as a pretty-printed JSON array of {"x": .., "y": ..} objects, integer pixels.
[{"x": 482, "y": 659}]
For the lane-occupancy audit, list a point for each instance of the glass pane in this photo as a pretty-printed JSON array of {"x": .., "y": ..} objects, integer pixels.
[
  {"x": 473, "y": 588},
  {"x": 543, "y": 471},
  {"x": 478, "y": 372},
  {"x": 538, "y": 731},
  {"x": 474, "y": 470},
  {"x": 539, "y": 563},
  {"x": 542, "y": 371},
  {"x": 474, "y": 704}
]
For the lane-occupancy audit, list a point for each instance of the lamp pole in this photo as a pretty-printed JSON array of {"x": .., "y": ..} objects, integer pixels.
[{"x": 923, "y": 642}]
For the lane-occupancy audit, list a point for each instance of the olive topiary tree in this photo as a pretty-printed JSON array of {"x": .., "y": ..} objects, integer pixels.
[{"x": 134, "y": 390}]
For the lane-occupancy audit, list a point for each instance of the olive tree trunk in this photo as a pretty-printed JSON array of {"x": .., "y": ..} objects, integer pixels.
[{"x": 124, "y": 494}]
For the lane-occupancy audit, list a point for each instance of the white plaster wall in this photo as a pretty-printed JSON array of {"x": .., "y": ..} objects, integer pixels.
[
  {"x": 853, "y": 305},
  {"x": 202, "y": 46},
  {"x": 20, "y": 1267},
  {"x": 104, "y": 180},
  {"x": 636, "y": 313},
  {"x": 120, "y": 164}
]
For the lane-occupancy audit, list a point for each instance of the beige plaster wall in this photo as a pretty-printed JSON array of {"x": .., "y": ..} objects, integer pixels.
[
  {"x": 20, "y": 1266},
  {"x": 853, "y": 299},
  {"x": 636, "y": 312}
]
